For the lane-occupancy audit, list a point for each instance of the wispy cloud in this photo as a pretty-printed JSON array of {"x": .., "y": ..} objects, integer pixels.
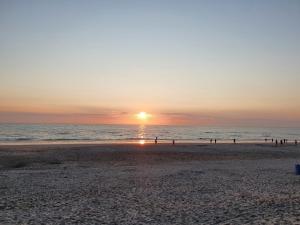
[
  {"x": 82, "y": 118},
  {"x": 233, "y": 118},
  {"x": 115, "y": 116}
]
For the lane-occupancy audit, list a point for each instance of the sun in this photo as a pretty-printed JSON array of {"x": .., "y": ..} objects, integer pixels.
[{"x": 143, "y": 116}]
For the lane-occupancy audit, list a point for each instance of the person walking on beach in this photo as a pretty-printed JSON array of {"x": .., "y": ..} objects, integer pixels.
[
  {"x": 173, "y": 142},
  {"x": 281, "y": 142},
  {"x": 210, "y": 140},
  {"x": 155, "y": 140},
  {"x": 215, "y": 141},
  {"x": 234, "y": 141},
  {"x": 276, "y": 142},
  {"x": 272, "y": 140},
  {"x": 296, "y": 142}
]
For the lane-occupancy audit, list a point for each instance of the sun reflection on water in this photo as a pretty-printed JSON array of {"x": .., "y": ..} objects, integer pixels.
[{"x": 141, "y": 134}]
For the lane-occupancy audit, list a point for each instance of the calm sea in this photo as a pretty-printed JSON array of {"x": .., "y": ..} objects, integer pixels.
[{"x": 28, "y": 134}]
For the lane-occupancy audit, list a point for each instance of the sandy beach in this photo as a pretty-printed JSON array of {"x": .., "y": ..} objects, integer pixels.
[{"x": 149, "y": 184}]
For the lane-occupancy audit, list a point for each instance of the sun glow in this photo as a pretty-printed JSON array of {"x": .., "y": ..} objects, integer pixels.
[{"x": 143, "y": 116}]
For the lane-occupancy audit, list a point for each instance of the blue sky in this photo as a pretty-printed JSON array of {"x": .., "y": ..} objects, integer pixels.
[{"x": 190, "y": 57}]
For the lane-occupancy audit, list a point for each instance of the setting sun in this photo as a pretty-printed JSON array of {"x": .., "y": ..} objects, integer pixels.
[{"x": 143, "y": 116}]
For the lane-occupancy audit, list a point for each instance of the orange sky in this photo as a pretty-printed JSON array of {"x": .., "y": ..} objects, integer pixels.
[{"x": 208, "y": 118}]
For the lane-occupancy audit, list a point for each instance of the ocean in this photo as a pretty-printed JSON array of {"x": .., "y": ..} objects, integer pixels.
[{"x": 47, "y": 134}]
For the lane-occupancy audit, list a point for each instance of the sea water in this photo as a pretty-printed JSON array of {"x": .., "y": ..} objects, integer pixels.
[{"x": 40, "y": 133}]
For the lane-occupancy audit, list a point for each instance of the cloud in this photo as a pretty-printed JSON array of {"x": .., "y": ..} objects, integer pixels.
[
  {"x": 106, "y": 116},
  {"x": 81, "y": 118},
  {"x": 233, "y": 118}
]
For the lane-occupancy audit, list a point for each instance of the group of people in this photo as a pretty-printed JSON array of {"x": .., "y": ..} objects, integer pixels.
[
  {"x": 211, "y": 141},
  {"x": 282, "y": 141},
  {"x": 156, "y": 139}
]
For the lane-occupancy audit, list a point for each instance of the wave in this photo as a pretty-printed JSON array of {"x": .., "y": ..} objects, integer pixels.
[
  {"x": 63, "y": 133},
  {"x": 69, "y": 139},
  {"x": 71, "y": 133},
  {"x": 17, "y": 139}
]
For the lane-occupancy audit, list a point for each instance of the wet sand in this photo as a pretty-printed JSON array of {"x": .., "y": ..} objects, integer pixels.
[{"x": 149, "y": 184}]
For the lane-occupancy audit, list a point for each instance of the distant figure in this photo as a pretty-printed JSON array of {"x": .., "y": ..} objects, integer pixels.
[
  {"x": 234, "y": 141},
  {"x": 173, "y": 142},
  {"x": 155, "y": 140},
  {"x": 215, "y": 141},
  {"x": 272, "y": 140},
  {"x": 281, "y": 142},
  {"x": 266, "y": 139},
  {"x": 210, "y": 140},
  {"x": 296, "y": 142},
  {"x": 276, "y": 142}
]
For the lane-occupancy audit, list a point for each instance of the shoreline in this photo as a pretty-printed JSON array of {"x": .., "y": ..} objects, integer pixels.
[
  {"x": 142, "y": 142},
  {"x": 152, "y": 145},
  {"x": 156, "y": 152}
]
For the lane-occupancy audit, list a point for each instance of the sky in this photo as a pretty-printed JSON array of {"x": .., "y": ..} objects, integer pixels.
[{"x": 212, "y": 63}]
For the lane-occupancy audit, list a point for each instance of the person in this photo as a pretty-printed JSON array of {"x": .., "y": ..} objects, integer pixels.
[
  {"x": 272, "y": 140},
  {"x": 234, "y": 140},
  {"x": 276, "y": 142},
  {"x": 296, "y": 142},
  {"x": 173, "y": 142},
  {"x": 155, "y": 140},
  {"x": 215, "y": 141},
  {"x": 266, "y": 139},
  {"x": 210, "y": 140},
  {"x": 281, "y": 142}
]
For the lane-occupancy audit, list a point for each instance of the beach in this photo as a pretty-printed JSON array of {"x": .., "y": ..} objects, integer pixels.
[{"x": 149, "y": 184}]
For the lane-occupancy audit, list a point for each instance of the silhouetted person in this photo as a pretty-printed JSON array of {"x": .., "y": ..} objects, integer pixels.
[
  {"x": 210, "y": 140},
  {"x": 272, "y": 140},
  {"x": 155, "y": 140},
  {"x": 266, "y": 139},
  {"x": 234, "y": 141},
  {"x": 276, "y": 142},
  {"x": 173, "y": 142},
  {"x": 281, "y": 142},
  {"x": 215, "y": 141},
  {"x": 296, "y": 142}
]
